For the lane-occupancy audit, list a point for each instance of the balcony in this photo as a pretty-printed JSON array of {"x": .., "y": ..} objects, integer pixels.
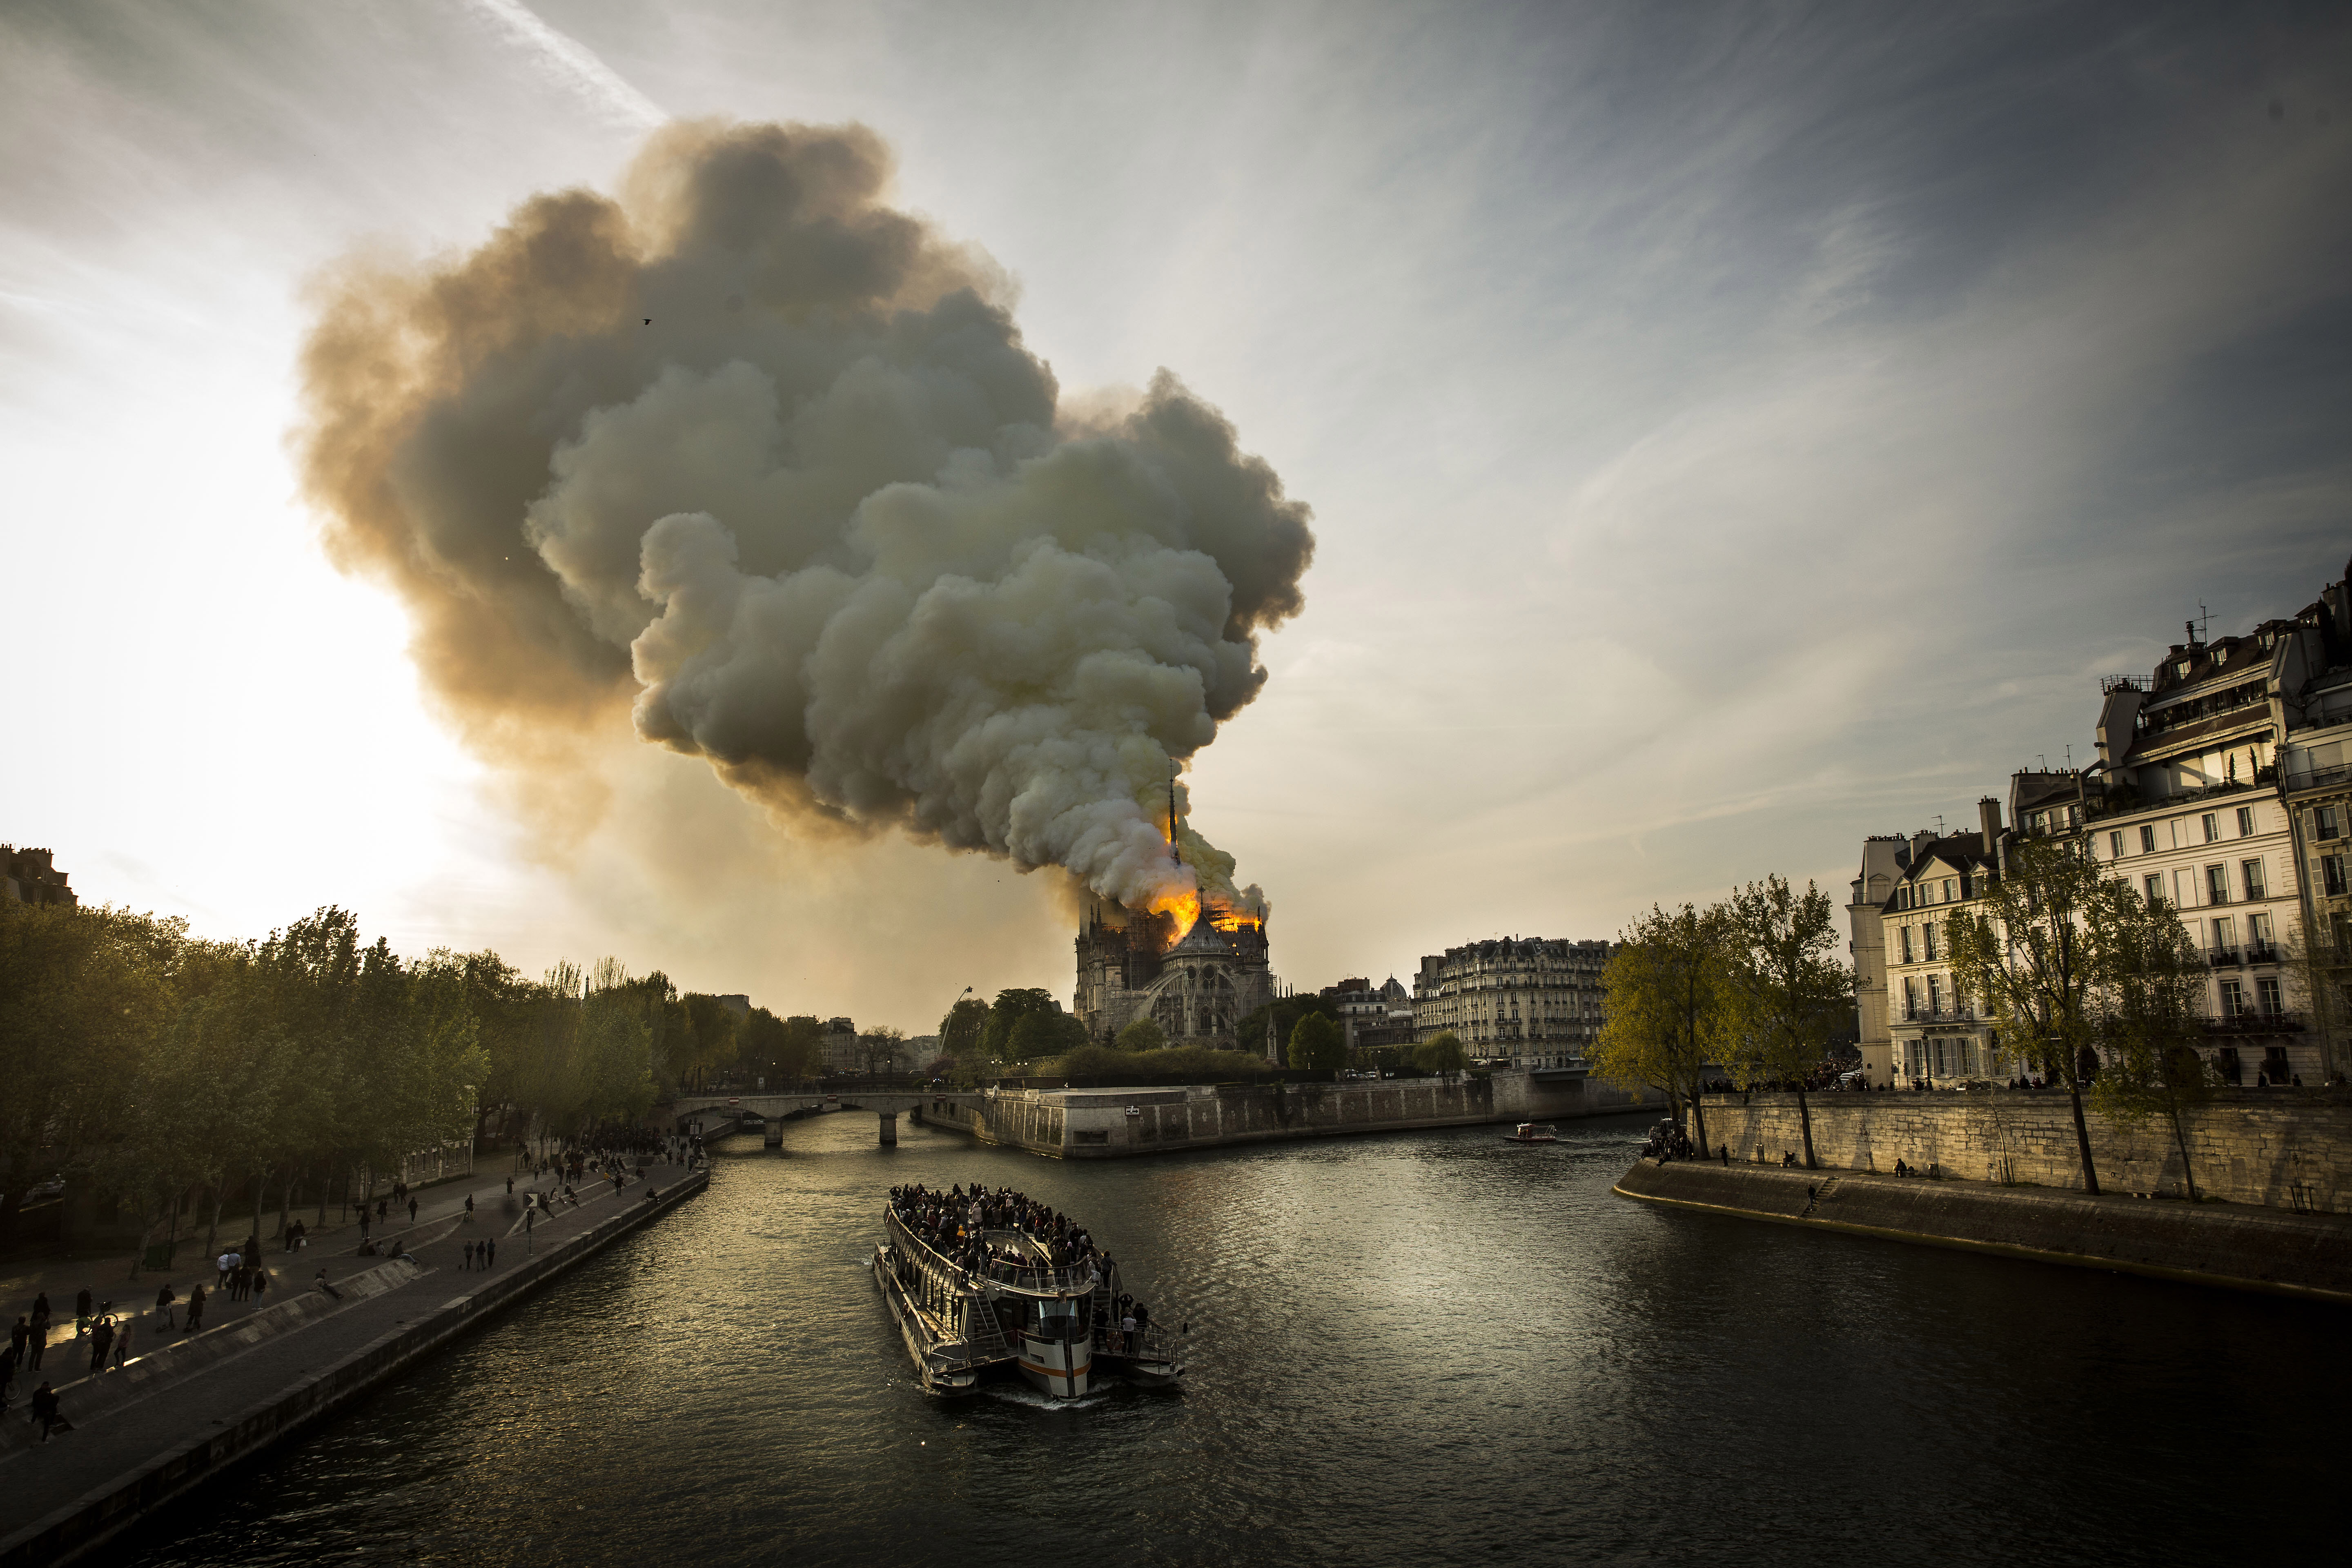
[
  {"x": 2224, "y": 958},
  {"x": 1934, "y": 1015},
  {"x": 2252, "y": 1021},
  {"x": 2262, "y": 952}
]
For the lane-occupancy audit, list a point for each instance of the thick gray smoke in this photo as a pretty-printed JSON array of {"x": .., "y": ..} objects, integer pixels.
[{"x": 764, "y": 460}]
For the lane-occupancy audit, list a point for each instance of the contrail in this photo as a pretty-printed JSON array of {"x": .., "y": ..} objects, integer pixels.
[{"x": 566, "y": 58}]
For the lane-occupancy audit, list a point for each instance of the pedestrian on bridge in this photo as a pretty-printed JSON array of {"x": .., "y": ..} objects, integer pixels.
[
  {"x": 470, "y": 1256},
  {"x": 489, "y": 1253},
  {"x": 412, "y": 1211}
]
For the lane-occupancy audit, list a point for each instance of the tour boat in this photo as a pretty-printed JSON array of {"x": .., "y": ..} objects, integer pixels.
[
  {"x": 1024, "y": 1313},
  {"x": 1533, "y": 1132}
]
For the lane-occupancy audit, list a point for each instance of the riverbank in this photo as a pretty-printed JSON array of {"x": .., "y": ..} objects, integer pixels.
[
  {"x": 1122, "y": 1123},
  {"x": 178, "y": 1416},
  {"x": 2242, "y": 1248}
]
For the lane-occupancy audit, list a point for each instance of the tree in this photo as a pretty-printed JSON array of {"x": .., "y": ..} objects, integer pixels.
[
  {"x": 2316, "y": 960},
  {"x": 1441, "y": 1052},
  {"x": 1317, "y": 1045},
  {"x": 961, "y": 1030},
  {"x": 2022, "y": 949},
  {"x": 1669, "y": 1000},
  {"x": 1282, "y": 1015},
  {"x": 1783, "y": 988},
  {"x": 1143, "y": 1035},
  {"x": 996, "y": 1042},
  {"x": 2149, "y": 983},
  {"x": 83, "y": 992}
]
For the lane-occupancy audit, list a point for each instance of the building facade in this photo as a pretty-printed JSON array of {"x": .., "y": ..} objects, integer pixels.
[
  {"x": 29, "y": 877},
  {"x": 1526, "y": 1000},
  {"x": 2223, "y": 791}
]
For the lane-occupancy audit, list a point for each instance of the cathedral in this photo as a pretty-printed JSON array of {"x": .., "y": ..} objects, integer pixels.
[{"x": 1197, "y": 986}]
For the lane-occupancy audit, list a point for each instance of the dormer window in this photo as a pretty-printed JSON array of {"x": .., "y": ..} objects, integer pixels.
[{"x": 2182, "y": 670}]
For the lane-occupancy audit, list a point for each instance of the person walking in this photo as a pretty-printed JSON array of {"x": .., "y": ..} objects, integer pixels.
[
  {"x": 470, "y": 1256},
  {"x": 19, "y": 1340},
  {"x": 412, "y": 1211},
  {"x": 81, "y": 1314},
  {"x": 529, "y": 1229},
  {"x": 470, "y": 1208},
  {"x": 490, "y": 1251},
  {"x": 40, "y": 1330},
  {"x": 363, "y": 1222},
  {"x": 46, "y": 1411},
  {"x": 164, "y": 1300},
  {"x": 510, "y": 1186},
  {"x": 225, "y": 1262},
  {"x": 102, "y": 1340},
  {"x": 195, "y": 1309},
  {"x": 121, "y": 1345}
]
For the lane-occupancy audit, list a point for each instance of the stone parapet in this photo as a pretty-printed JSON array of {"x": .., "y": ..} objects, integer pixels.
[{"x": 2283, "y": 1150}]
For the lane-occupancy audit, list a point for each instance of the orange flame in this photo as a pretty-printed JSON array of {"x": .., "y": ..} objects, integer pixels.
[{"x": 1184, "y": 903}]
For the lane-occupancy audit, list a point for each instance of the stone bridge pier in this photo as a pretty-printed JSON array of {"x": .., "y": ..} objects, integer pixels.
[{"x": 889, "y": 1129}]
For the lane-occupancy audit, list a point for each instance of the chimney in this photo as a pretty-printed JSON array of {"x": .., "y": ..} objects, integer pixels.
[{"x": 1988, "y": 814}]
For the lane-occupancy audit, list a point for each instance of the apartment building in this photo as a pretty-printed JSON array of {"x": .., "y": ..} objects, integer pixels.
[{"x": 1522, "y": 1001}]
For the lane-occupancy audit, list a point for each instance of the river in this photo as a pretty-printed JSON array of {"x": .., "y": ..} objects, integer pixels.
[{"x": 1406, "y": 1349}]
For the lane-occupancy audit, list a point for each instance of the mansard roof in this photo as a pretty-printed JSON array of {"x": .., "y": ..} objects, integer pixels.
[{"x": 1203, "y": 941}]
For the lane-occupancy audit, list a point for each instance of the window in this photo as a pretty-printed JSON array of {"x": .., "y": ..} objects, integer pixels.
[
  {"x": 2331, "y": 875},
  {"x": 2211, "y": 822},
  {"x": 2340, "y": 926},
  {"x": 2033, "y": 822},
  {"x": 1928, "y": 934},
  {"x": 2115, "y": 846},
  {"x": 2326, "y": 818},
  {"x": 2217, "y": 884},
  {"x": 2184, "y": 889},
  {"x": 2246, "y": 821},
  {"x": 2225, "y": 935},
  {"x": 2252, "y": 870},
  {"x": 2148, "y": 837},
  {"x": 1935, "y": 993},
  {"x": 2260, "y": 936},
  {"x": 2274, "y": 1063},
  {"x": 2266, "y": 992},
  {"x": 2225, "y": 1062},
  {"x": 2233, "y": 999},
  {"x": 1910, "y": 996},
  {"x": 1906, "y": 944},
  {"x": 1951, "y": 890},
  {"x": 2155, "y": 885}
]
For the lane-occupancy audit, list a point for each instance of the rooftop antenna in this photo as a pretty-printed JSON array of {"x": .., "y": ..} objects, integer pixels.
[{"x": 2204, "y": 623}]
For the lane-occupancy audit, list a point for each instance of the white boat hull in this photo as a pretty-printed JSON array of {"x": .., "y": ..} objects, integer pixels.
[{"x": 1058, "y": 1368}]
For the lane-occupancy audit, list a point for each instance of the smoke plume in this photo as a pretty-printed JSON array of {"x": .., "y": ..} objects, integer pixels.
[{"x": 752, "y": 459}]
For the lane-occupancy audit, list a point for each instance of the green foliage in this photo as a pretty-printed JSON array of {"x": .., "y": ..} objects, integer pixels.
[
  {"x": 1441, "y": 1052},
  {"x": 962, "y": 1031},
  {"x": 1669, "y": 1003},
  {"x": 1317, "y": 1045},
  {"x": 1785, "y": 991},
  {"x": 1283, "y": 1013},
  {"x": 1193, "y": 1063},
  {"x": 1143, "y": 1035},
  {"x": 1004, "y": 1017}
]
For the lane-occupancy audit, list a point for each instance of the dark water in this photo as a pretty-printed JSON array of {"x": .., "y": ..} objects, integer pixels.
[{"x": 1427, "y": 1348}]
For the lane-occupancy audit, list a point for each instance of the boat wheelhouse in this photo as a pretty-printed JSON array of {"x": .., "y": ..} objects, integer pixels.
[{"x": 1054, "y": 1322}]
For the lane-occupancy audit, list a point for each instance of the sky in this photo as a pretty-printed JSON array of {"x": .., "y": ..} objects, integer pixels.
[{"x": 1730, "y": 431}]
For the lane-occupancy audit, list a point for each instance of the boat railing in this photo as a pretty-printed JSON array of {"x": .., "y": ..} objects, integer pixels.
[
  {"x": 1071, "y": 1279},
  {"x": 1153, "y": 1342}
]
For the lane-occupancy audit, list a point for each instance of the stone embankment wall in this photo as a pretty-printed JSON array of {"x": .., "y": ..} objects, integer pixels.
[
  {"x": 1095, "y": 1124},
  {"x": 2215, "y": 1244},
  {"x": 2281, "y": 1150}
]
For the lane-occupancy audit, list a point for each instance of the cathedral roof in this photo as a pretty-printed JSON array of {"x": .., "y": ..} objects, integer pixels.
[{"x": 1204, "y": 939}]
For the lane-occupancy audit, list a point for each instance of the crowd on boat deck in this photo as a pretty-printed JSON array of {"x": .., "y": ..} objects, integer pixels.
[{"x": 954, "y": 1224}]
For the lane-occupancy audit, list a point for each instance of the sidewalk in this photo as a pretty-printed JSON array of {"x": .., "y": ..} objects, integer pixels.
[
  {"x": 178, "y": 1389},
  {"x": 333, "y": 1246}
]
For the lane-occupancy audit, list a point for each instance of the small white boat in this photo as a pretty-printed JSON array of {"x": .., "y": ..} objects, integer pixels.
[{"x": 1533, "y": 1132}]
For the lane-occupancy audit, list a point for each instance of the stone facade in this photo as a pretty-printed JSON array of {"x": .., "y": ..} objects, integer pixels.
[
  {"x": 2281, "y": 1149},
  {"x": 1523, "y": 1001},
  {"x": 1198, "y": 988}
]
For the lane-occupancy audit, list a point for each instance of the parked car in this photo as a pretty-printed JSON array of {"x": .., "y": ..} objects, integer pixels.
[{"x": 55, "y": 1187}]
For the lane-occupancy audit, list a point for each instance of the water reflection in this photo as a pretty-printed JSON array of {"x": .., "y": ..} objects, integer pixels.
[{"x": 1407, "y": 1349}]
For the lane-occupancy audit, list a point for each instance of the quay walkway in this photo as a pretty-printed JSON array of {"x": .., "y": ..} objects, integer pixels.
[{"x": 182, "y": 1407}]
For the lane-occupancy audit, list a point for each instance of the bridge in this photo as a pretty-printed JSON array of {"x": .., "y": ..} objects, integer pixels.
[{"x": 888, "y": 1098}]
